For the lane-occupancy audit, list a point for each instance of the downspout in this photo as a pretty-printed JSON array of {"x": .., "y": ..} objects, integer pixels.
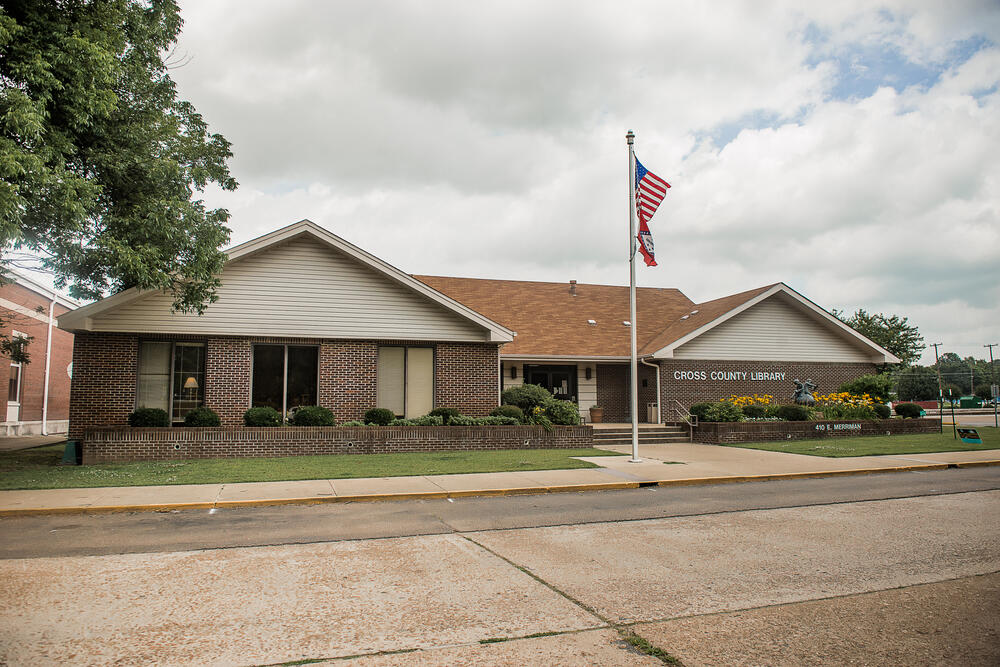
[
  {"x": 48, "y": 364},
  {"x": 659, "y": 417}
]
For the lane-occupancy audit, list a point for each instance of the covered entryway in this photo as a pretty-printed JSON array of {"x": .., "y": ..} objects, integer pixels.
[{"x": 560, "y": 380}]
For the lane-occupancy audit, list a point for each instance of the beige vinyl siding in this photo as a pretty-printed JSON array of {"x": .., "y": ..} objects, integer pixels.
[
  {"x": 508, "y": 382},
  {"x": 300, "y": 288},
  {"x": 587, "y": 389},
  {"x": 774, "y": 330}
]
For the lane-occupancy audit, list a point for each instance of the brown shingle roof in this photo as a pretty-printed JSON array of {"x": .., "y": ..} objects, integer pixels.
[{"x": 549, "y": 321}]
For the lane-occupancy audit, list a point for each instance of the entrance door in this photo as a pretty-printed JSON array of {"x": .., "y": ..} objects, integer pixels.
[{"x": 560, "y": 380}]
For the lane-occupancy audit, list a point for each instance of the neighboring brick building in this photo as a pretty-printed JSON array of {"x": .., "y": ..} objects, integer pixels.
[
  {"x": 28, "y": 308},
  {"x": 305, "y": 318}
]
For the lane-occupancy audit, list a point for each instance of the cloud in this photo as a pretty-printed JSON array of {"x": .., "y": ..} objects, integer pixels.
[{"x": 846, "y": 150}]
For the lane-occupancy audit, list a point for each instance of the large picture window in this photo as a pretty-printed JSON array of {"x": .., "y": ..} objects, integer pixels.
[
  {"x": 171, "y": 377},
  {"x": 285, "y": 376},
  {"x": 405, "y": 382}
]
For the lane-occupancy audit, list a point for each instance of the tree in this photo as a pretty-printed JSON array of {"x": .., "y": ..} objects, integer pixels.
[
  {"x": 99, "y": 159},
  {"x": 892, "y": 332},
  {"x": 918, "y": 383}
]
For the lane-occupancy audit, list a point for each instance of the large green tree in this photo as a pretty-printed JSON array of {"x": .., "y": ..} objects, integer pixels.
[
  {"x": 100, "y": 161},
  {"x": 892, "y": 332}
]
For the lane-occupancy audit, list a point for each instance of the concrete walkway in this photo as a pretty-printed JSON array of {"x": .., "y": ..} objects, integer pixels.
[{"x": 698, "y": 464}]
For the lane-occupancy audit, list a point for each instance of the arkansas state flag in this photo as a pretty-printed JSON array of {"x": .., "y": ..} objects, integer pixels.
[{"x": 650, "y": 190}]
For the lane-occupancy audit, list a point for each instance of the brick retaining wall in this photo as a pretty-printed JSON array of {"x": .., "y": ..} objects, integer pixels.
[
  {"x": 715, "y": 433},
  {"x": 163, "y": 444}
]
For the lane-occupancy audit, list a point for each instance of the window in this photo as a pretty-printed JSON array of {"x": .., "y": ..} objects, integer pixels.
[
  {"x": 171, "y": 377},
  {"x": 14, "y": 385},
  {"x": 405, "y": 382},
  {"x": 285, "y": 376}
]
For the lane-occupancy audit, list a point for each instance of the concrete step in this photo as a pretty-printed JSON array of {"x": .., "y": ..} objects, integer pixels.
[
  {"x": 642, "y": 441},
  {"x": 603, "y": 434}
]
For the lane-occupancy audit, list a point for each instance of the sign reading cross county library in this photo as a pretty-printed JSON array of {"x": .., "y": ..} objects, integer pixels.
[{"x": 729, "y": 376}]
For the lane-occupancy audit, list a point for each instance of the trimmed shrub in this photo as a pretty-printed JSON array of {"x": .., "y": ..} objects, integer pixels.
[
  {"x": 353, "y": 422},
  {"x": 202, "y": 417},
  {"x": 462, "y": 420},
  {"x": 724, "y": 411},
  {"x": 498, "y": 420},
  {"x": 877, "y": 386},
  {"x": 564, "y": 413},
  {"x": 754, "y": 411},
  {"x": 402, "y": 422},
  {"x": 847, "y": 411},
  {"x": 379, "y": 416},
  {"x": 908, "y": 410},
  {"x": 149, "y": 417},
  {"x": 509, "y": 411},
  {"x": 882, "y": 411},
  {"x": 527, "y": 397},
  {"x": 262, "y": 417},
  {"x": 699, "y": 410},
  {"x": 793, "y": 413},
  {"x": 312, "y": 415},
  {"x": 429, "y": 420},
  {"x": 445, "y": 414}
]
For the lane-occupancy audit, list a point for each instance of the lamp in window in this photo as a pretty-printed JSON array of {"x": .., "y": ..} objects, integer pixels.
[
  {"x": 513, "y": 372},
  {"x": 191, "y": 385}
]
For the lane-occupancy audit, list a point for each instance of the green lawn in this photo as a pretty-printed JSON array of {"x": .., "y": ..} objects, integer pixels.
[
  {"x": 878, "y": 445},
  {"x": 39, "y": 468}
]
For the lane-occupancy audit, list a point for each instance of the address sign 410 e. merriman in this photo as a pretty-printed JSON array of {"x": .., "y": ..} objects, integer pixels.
[{"x": 729, "y": 376}]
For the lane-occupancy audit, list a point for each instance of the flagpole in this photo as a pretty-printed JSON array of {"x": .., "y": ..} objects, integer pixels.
[{"x": 633, "y": 375}]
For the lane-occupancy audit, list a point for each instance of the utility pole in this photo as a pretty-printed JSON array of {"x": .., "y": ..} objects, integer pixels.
[
  {"x": 993, "y": 382},
  {"x": 937, "y": 367}
]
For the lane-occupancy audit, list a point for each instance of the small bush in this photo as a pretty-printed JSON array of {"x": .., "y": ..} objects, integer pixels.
[
  {"x": 724, "y": 411},
  {"x": 876, "y": 386},
  {"x": 498, "y": 420},
  {"x": 202, "y": 417},
  {"x": 353, "y": 422},
  {"x": 429, "y": 420},
  {"x": 882, "y": 411},
  {"x": 462, "y": 420},
  {"x": 312, "y": 415},
  {"x": 793, "y": 413},
  {"x": 509, "y": 411},
  {"x": 908, "y": 410},
  {"x": 264, "y": 416},
  {"x": 402, "y": 422},
  {"x": 527, "y": 397},
  {"x": 847, "y": 411},
  {"x": 754, "y": 411},
  {"x": 379, "y": 416},
  {"x": 699, "y": 410},
  {"x": 149, "y": 417},
  {"x": 444, "y": 413},
  {"x": 564, "y": 413}
]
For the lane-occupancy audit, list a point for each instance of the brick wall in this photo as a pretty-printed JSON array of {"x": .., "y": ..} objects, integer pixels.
[
  {"x": 614, "y": 391},
  {"x": 682, "y": 379},
  {"x": 104, "y": 393},
  {"x": 161, "y": 444},
  {"x": 36, "y": 325},
  {"x": 467, "y": 377},
  {"x": 104, "y": 380},
  {"x": 715, "y": 433}
]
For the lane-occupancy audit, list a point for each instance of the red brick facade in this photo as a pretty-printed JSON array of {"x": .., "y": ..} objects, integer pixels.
[
  {"x": 106, "y": 375},
  {"x": 162, "y": 444},
  {"x": 34, "y": 323},
  {"x": 715, "y": 433},
  {"x": 693, "y": 381},
  {"x": 614, "y": 391}
]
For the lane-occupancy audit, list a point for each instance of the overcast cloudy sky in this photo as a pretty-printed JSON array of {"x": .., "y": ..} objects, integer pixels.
[{"x": 850, "y": 149}]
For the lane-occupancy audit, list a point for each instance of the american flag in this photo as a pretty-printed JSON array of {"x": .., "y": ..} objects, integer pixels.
[{"x": 650, "y": 190}]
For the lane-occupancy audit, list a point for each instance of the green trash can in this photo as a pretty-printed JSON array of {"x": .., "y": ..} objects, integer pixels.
[
  {"x": 72, "y": 454},
  {"x": 969, "y": 402}
]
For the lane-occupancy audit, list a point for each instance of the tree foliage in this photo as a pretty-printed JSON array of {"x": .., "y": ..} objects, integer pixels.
[
  {"x": 892, "y": 332},
  {"x": 99, "y": 160},
  {"x": 918, "y": 383}
]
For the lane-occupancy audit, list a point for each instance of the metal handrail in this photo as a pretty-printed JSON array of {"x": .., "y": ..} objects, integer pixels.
[{"x": 685, "y": 416}]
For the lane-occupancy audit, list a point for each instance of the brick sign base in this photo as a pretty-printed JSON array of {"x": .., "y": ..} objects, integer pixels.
[
  {"x": 164, "y": 444},
  {"x": 718, "y": 433}
]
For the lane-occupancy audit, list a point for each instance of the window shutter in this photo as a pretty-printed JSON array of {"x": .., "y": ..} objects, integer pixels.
[
  {"x": 419, "y": 381},
  {"x": 389, "y": 389}
]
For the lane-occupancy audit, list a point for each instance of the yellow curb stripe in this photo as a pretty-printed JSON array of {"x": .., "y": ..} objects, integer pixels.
[
  {"x": 976, "y": 464},
  {"x": 800, "y": 475}
]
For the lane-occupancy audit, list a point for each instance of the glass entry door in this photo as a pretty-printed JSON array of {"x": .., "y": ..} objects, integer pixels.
[{"x": 560, "y": 380}]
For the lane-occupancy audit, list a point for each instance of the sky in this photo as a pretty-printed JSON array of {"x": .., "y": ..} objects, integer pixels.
[{"x": 849, "y": 149}]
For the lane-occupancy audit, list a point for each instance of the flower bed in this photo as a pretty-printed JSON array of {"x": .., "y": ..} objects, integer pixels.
[
  {"x": 163, "y": 444},
  {"x": 716, "y": 433}
]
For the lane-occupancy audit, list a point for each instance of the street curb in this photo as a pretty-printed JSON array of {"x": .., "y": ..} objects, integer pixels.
[{"x": 483, "y": 493}]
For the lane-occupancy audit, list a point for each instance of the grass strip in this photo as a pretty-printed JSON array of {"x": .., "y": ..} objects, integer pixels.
[
  {"x": 881, "y": 445},
  {"x": 643, "y": 645},
  {"x": 39, "y": 468}
]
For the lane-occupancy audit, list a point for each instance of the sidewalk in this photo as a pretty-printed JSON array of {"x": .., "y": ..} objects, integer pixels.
[{"x": 701, "y": 464}]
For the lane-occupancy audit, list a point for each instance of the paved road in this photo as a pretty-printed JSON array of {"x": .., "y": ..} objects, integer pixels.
[
  {"x": 899, "y": 581},
  {"x": 187, "y": 530}
]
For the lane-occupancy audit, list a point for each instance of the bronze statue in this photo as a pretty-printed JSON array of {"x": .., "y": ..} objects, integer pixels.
[{"x": 804, "y": 392}]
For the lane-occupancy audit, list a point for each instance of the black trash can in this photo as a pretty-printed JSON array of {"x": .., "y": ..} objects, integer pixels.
[{"x": 72, "y": 454}]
